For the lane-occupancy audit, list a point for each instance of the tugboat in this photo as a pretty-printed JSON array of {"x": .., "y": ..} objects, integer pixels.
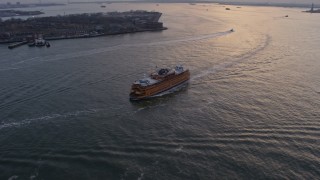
[
  {"x": 161, "y": 80},
  {"x": 40, "y": 42}
]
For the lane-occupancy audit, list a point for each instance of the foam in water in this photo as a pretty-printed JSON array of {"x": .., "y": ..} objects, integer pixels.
[
  {"x": 214, "y": 70},
  {"x": 66, "y": 115},
  {"x": 180, "y": 148},
  {"x": 27, "y": 60},
  {"x": 13, "y": 177},
  {"x": 141, "y": 176},
  {"x": 150, "y": 107},
  {"x": 43, "y": 118},
  {"x": 237, "y": 60}
]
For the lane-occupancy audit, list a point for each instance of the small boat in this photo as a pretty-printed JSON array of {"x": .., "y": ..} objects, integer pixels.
[
  {"x": 227, "y": 9},
  {"x": 103, "y": 6},
  {"x": 47, "y": 44},
  {"x": 160, "y": 81},
  {"x": 286, "y": 16},
  {"x": 40, "y": 42},
  {"x": 231, "y": 30}
]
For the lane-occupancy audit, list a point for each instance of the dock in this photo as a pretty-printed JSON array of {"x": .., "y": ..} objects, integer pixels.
[{"x": 14, "y": 45}]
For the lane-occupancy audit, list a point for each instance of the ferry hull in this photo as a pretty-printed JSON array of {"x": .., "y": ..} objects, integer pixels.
[
  {"x": 159, "y": 94},
  {"x": 159, "y": 88}
]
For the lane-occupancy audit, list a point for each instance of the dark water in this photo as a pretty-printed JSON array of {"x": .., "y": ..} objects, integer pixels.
[{"x": 250, "y": 111}]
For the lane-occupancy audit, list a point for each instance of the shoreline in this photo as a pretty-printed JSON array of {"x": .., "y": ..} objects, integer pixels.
[
  {"x": 17, "y": 13},
  {"x": 80, "y": 26},
  {"x": 220, "y": 2},
  {"x": 90, "y": 36}
]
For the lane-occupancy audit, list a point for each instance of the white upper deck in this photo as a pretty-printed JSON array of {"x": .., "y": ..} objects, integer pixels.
[{"x": 162, "y": 72}]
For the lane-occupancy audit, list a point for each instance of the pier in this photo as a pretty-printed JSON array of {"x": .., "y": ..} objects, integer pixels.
[{"x": 14, "y": 45}]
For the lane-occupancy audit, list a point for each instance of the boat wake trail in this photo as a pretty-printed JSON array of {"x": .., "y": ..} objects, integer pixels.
[
  {"x": 51, "y": 117},
  {"x": 237, "y": 60},
  {"x": 48, "y": 117},
  {"x": 197, "y": 38},
  {"x": 33, "y": 61}
]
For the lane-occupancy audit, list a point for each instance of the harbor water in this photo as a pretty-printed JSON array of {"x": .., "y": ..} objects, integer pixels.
[{"x": 250, "y": 111}]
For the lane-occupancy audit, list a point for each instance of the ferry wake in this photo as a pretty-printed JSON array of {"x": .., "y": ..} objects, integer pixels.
[{"x": 161, "y": 80}]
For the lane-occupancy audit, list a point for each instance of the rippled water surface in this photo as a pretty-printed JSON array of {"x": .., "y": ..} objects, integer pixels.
[{"x": 251, "y": 109}]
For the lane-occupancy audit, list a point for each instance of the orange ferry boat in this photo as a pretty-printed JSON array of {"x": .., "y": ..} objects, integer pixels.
[{"x": 158, "y": 82}]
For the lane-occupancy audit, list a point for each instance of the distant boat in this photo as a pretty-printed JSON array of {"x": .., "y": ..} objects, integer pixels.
[
  {"x": 40, "y": 42},
  {"x": 231, "y": 30},
  {"x": 103, "y": 6},
  {"x": 286, "y": 16},
  {"x": 227, "y": 9}
]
